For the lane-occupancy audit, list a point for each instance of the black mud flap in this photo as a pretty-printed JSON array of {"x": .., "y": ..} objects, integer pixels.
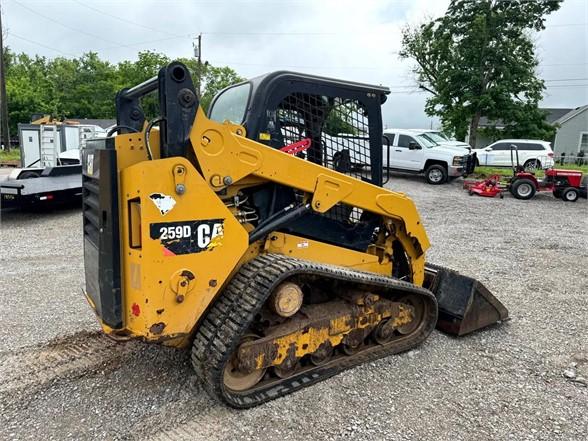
[{"x": 465, "y": 305}]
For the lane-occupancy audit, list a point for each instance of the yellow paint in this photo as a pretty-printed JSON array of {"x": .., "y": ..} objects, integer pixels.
[
  {"x": 308, "y": 339},
  {"x": 156, "y": 299},
  {"x": 315, "y": 251},
  {"x": 329, "y": 191},
  {"x": 224, "y": 155}
]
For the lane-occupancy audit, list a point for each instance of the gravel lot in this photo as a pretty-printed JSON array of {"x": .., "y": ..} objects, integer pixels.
[{"x": 523, "y": 380}]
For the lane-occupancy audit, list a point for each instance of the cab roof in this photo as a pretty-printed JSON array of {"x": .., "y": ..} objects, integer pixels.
[{"x": 285, "y": 75}]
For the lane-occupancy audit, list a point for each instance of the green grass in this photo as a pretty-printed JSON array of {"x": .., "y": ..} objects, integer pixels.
[
  {"x": 12, "y": 155},
  {"x": 507, "y": 171}
]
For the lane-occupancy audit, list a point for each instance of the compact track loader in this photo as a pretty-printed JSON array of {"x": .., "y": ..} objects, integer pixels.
[{"x": 261, "y": 235}]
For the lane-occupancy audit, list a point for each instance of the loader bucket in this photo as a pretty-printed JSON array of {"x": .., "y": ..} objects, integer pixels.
[{"x": 465, "y": 305}]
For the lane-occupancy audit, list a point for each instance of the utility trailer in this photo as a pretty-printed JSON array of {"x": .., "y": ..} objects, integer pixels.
[
  {"x": 55, "y": 185},
  {"x": 52, "y": 173},
  {"x": 48, "y": 145}
]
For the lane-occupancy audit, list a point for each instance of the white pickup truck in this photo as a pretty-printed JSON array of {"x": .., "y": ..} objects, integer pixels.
[{"x": 415, "y": 151}]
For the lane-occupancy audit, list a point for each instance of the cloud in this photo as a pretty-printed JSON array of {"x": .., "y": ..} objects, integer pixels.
[{"x": 350, "y": 39}]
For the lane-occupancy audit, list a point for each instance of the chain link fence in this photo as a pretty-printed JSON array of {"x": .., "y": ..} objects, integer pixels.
[{"x": 579, "y": 158}]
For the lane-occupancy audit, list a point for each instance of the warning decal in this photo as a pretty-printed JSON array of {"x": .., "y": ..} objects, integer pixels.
[
  {"x": 187, "y": 237},
  {"x": 163, "y": 202}
]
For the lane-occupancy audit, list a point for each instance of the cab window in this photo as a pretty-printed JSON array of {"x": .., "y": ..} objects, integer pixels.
[
  {"x": 404, "y": 140},
  {"x": 531, "y": 147},
  {"x": 426, "y": 141},
  {"x": 435, "y": 137},
  {"x": 231, "y": 104},
  {"x": 388, "y": 138}
]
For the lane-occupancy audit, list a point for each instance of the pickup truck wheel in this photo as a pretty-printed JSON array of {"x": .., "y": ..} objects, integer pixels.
[
  {"x": 523, "y": 189},
  {"x": 436, "y": 174}
]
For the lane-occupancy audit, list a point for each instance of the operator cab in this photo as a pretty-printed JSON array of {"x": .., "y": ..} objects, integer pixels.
[
  {"x": 342, "y": 119},
  {"x": 343, "y": 122}
]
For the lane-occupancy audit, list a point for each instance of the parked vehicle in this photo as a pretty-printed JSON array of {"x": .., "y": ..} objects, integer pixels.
[
  {"x": 52, "y": 185},
  {"x": 50, "y": 145},
  {"x": 441, "y": 138},
  {"x": 69, "y": 157},
  {"x": 413, "y": 151},
  {"x": 532, "y": 153},
  {"x": 568, "y": 185},
  {"x": 52, "y": 173},
  {"x": 438, "y": 133}
]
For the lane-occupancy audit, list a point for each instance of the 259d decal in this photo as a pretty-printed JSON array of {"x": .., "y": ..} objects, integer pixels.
[{"x": 187, "y": 237}]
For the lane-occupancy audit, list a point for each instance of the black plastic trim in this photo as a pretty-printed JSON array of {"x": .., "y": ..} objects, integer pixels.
[{"x": 102, "y": 245}]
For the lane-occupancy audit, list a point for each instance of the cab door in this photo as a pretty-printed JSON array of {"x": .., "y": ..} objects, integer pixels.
[
  {"x": 496, "y": 155},
  {"x": 407, "y": 153},
  {"x": 387, "y": 148}
]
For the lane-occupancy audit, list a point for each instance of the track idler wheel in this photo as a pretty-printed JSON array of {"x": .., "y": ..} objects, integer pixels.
[
  {"x": 417, "y": 306},
  {"x": 322, "y": 355},
  {"x": 353, "y": 342},
  {"x": 237, "y": 378},
  {"x": 384, "y": 332},
  {"x": 286, "y": 369}
]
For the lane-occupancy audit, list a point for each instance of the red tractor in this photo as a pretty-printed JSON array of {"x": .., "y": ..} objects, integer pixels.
[{"x": 568, "y": 185}]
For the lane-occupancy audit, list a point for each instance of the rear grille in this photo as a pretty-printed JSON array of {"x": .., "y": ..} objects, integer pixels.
[
  {"x": 101, "y": 230},
  {"x": 91, "y": 209}
]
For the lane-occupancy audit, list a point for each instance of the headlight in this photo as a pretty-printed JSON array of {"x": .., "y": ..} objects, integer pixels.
[{"x": 457, "y": 160}]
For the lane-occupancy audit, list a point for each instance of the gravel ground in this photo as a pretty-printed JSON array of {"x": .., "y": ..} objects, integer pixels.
[{"x": 522, "y": 380}]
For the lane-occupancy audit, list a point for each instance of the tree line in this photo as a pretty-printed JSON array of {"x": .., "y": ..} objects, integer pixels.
[
  {"x": 85, "y": 87},
  {"x": 478, "y": 60}
]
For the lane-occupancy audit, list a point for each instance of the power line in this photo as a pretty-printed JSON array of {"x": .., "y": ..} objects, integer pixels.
[
  {"x": 159, "y": 40},
  {"x": 568, "y": 79},
  {"x": 562, "y": 64},
  {"x": 51, "y": 19},
  {"x": 12, "y": 34},
  {"x": 299, "y": 66},
  {"x": 565, "y": 25},
  {"x": 227, "y": 63},
  {"x": 70, "y": 54},
  {"x": 124, "y": 20},
  {"x": 177, "y": 35},
  {"x": 115, "y": 45},
  {"x": 563, "y": 86},
  {"x": 408, "y": 92},
  {"x": 296, "y": 34}
]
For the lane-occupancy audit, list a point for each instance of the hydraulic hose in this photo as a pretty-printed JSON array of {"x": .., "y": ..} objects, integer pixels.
[{"x": 148, "y": 133}]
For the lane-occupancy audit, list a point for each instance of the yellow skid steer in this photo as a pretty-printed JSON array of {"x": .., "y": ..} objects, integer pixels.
[{"x": 261, "y": 234}]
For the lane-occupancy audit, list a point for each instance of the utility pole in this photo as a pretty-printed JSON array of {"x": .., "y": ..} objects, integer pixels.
[
  {"x": 198, "y": 54},
  {"x": 4, "y": 129}
]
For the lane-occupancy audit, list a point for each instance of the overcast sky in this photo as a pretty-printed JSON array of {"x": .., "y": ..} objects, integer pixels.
[{"x": 350, "y": 39}]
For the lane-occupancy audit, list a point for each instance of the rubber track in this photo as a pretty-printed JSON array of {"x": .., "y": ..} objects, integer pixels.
[
  {"x": 229, "y": 318},
  {"x": 65, "y": 357}
]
